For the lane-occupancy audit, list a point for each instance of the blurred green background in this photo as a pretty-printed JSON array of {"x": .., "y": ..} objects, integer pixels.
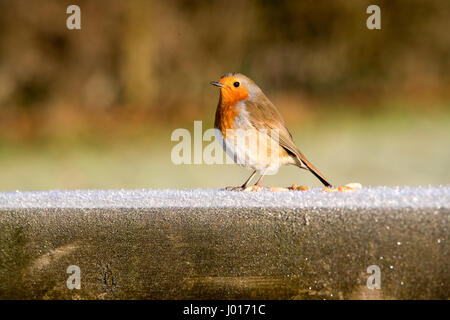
[{"x": 95, "y": 108}]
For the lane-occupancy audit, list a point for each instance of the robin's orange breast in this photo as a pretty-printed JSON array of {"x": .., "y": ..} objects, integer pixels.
[
  {"x": 229, "y": 107},
  {"x": 225, "y": 116}
]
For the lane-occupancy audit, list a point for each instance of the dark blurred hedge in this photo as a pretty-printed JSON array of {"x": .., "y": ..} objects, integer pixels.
[{"x": 154, "y": 54}]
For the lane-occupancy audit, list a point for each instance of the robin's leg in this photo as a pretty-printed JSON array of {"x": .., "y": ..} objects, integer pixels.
[
  {"x": 256, "y": 187},
  {"x": 248, "y": 180},
  {"x": 244, "y": 185},
  {"x": 260, "y": 178}
]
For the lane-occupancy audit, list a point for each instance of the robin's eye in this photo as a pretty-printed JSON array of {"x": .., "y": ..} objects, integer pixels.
[{"x": 236, "y": 84}]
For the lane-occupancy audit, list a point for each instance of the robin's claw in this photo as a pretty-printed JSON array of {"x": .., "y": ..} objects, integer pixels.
[
  {"x": 245, "y": 189},
  {"x": 234, "y": 188}
]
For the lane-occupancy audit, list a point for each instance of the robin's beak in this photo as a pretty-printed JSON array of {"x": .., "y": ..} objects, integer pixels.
[{"x": 217, "y": 84}]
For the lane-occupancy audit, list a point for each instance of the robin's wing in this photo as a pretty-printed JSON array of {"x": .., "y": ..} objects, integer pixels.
[{"x": 264, "y": 115}]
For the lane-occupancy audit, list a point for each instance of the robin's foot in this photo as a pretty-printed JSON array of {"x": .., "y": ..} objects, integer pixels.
[
  {"x": 234, "y": 188},
  {"x": 246, "y": 189}
]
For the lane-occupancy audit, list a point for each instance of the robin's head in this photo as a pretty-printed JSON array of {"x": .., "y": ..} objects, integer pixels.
[{"x": 235, "y": 87}]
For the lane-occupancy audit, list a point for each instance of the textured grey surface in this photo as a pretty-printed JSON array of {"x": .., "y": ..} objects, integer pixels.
[
  {"x": 379, "y": 197},
  {"x": 170, "y": 244}
]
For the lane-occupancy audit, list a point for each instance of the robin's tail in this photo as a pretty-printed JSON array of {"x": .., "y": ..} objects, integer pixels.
[
  {"x": 319, "y": 176},
  {"x": 304, "y": 163}
]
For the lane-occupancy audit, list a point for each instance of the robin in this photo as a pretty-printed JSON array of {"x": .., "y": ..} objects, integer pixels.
[{"x": 244, "y": 108}]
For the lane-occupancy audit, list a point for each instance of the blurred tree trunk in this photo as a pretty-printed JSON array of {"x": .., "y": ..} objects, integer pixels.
[{"x": 139, "y": 46}]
